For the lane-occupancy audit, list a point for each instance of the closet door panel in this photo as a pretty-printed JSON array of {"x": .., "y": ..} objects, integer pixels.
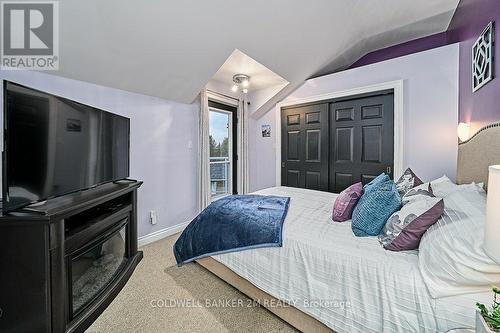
[
  {"x": 304, "y": 147},
  {"x": 362, "y": 146}
]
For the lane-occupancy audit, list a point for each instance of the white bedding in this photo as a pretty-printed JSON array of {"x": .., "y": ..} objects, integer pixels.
[
  {"x": 350, "y": 284},
  {"x": 452, "y": 259}
]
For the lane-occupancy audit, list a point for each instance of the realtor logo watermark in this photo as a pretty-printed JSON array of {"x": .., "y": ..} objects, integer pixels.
[{"x": 30, "y": 35}]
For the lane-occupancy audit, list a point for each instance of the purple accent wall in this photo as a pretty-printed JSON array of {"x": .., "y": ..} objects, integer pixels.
[
  {"x": 399, "y": 50},
  {"x": 471, "y": 17}
]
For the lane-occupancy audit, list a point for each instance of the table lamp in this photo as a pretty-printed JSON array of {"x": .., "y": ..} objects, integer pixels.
[{"x": 492, "y": 230}]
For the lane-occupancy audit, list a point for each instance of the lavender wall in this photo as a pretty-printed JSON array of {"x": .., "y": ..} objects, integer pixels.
[
  {"x": 430, "y": 104},
  {"x": 262, "y": 152},
  {"x": 430, "y": 112},
  {"x": 471, "y": 17},
  {"x": 164, "y": 143}
]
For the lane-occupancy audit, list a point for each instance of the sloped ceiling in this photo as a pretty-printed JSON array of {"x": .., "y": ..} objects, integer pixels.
[
  {"x": 171, "y": 49},
  {"x": 261, "y": 77}
]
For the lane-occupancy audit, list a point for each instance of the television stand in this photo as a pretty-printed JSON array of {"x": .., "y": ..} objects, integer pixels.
[
  {"x": 63, "y": 261},
  {"x": 39, "y": 203}
]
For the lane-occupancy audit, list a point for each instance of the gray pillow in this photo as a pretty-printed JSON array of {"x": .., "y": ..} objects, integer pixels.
[{"x": 405, "y": 228}]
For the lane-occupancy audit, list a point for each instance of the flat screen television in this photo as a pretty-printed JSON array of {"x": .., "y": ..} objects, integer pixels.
[{"x": 54, "y": 146}]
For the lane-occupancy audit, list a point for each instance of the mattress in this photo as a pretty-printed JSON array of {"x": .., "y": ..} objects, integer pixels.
[{"x": 348, "y": 283}]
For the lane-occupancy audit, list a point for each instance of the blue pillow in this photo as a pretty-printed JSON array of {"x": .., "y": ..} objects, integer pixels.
[
  {"x": 374, "y": 208},
  {"x": 382, "y": 178}
]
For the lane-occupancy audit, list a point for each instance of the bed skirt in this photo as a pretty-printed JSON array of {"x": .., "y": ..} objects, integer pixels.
[{"x": 298, "y": 319}]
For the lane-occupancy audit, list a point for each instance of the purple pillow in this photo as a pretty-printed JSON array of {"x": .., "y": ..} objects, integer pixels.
[
  {"x": 405, "y": 228},
  {"x": 345, "y": 202}
]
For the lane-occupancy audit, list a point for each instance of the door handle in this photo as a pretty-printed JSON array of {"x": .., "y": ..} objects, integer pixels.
[
  {"x": 388, "y": 170},
  {"x": 282, "y": 164}
]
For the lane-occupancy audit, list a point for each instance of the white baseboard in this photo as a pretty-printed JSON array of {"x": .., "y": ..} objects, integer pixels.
[{"x": 160, "y": 234}]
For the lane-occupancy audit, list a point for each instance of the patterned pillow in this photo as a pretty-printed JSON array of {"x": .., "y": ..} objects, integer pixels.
[
  {"x": 345, "y": 202},
  {"x": 407, "y": 181},
  {"x": 376, "y": 182},
  {"x": 405, "y": 228},
  {"x": 417, "y": 193},
  {"x": 374, "y": 208}
]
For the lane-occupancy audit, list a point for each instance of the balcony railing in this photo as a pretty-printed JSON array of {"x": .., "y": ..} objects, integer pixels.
[{"x": 220, "y": 173}]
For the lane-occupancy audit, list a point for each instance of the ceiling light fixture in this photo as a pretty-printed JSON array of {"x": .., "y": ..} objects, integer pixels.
[{"x": 241, "y": 80}]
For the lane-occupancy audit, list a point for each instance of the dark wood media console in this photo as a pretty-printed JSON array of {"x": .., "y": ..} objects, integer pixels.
[{"x": 62, "y": 262}]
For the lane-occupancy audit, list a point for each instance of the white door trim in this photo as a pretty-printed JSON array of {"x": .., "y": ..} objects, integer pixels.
[
  {"x": 223, "y": 99},
  {"x": 397, "y": 86}
]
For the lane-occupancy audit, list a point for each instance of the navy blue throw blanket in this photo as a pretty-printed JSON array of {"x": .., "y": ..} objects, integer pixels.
[{"x": 233, "y": 223}]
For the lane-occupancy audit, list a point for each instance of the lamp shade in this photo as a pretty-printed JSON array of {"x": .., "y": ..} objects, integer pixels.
[
  {"x": 492, "y": 230},
  {"x": 463, "y": 131}
]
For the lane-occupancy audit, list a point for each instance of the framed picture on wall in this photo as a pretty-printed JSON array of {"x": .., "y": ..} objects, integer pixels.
[
  {"x": 482, "y": 58},
  {"x": 266, "y": 131}
]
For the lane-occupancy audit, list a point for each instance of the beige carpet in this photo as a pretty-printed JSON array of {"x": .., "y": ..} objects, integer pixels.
[{"x": 157, "y": 281}]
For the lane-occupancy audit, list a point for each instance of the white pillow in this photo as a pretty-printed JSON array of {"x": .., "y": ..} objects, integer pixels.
[
  {"x": 451, "y": 256},
  {"x": 442, "y": 187},
  {"x": 477, "y": 187}
]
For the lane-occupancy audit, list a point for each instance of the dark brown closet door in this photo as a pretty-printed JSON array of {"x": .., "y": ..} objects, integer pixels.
[
  {"x": 304, "y": 143},
  {"x": 361, "y": 140}
]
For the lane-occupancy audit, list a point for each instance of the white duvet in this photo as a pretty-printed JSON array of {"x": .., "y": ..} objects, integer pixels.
[{"x": 350, "y": 284}]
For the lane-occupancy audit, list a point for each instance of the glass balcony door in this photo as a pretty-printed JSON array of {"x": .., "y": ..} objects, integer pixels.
[{"x": 221, "y": 153}]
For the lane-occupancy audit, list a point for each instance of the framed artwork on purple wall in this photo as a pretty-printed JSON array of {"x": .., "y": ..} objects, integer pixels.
[{"x": 482, "y": 58}]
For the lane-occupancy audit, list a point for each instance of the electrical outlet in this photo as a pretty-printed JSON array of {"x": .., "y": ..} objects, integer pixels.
[{"x": 153, "y": 218}]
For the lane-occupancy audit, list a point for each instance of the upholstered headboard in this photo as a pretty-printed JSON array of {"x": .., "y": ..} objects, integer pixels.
[{"x": 477, "y": 153}]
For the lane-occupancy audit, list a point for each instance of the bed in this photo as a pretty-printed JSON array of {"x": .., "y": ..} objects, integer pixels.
[{"x": 325, "y": 279}]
